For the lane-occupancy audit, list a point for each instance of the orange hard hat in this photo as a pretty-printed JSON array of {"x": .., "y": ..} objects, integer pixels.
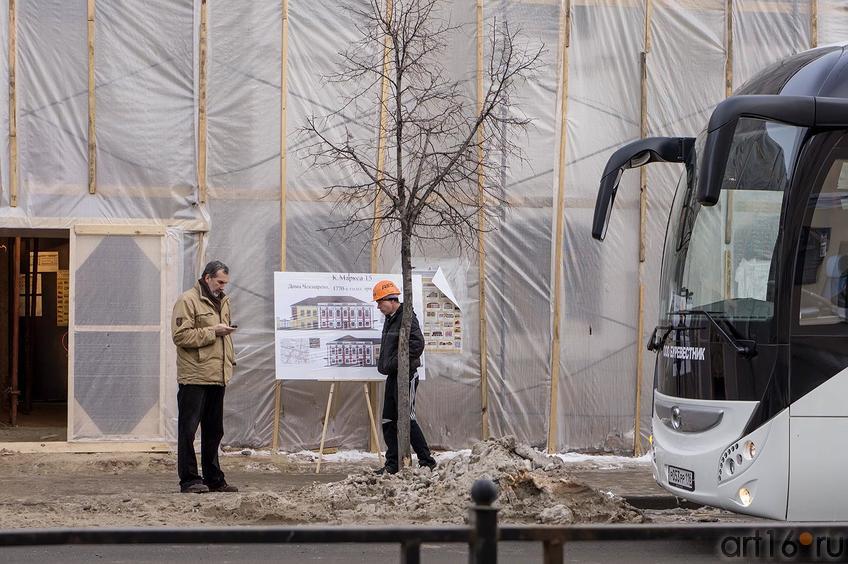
[{"x": 385, "y": 288}]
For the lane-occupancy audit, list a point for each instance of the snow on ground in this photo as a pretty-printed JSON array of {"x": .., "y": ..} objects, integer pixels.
[{"x": 357, "y": 456}]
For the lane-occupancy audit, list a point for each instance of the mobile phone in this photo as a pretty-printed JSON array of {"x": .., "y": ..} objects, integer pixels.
[{"x": 234, "y": 326}]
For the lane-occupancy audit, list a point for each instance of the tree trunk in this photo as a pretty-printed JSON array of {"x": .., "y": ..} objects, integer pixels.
[{"x": 403, "y": 350}]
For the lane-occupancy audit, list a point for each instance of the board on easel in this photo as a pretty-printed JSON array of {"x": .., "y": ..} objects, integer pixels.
[{"x": 328, "y": 328}]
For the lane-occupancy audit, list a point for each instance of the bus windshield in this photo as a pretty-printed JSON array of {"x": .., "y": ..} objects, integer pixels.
[{"x": 719, "y": 258}]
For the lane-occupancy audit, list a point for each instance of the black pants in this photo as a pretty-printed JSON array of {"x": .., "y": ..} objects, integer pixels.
[
  {"x": 416, "y": 436},
  {"x": 203, "y": 405}
]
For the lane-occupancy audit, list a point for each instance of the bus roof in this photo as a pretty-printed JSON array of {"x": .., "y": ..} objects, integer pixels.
[{"x": 818, "y": 72}]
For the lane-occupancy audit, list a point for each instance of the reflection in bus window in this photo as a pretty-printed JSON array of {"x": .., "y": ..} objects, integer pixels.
[
  {"x": 823, "y": 250},
  {"x": 722, "y": 261}
]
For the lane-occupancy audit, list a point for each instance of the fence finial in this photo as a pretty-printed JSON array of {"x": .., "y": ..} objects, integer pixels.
[
  {"x": 483, "y": 519},
  {"x": 484, "y": 492}
]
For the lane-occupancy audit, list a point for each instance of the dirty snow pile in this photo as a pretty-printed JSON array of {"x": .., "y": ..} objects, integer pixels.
[{"x": 533, "y": 488}]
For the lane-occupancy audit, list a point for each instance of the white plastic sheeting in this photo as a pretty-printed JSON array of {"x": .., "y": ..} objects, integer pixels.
[
  {"x": 518, "y": 268},
  {"x": 145, "y": 91},
  {"x": 598, "y": 317},
  {"x": 765, "y": 31},
  {"x": 146, "y": 69},
  {"x": 684, "y": 84},
  {"x": 832, "y": 21}
]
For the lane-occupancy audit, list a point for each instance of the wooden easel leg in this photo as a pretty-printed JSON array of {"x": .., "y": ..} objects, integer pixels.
[
  {"x": 374, "y": 440},
  {"x": 324, "y": 428},
  {"x": 275, "y": 440}
]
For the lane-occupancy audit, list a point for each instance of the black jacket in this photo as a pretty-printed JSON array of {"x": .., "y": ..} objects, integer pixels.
[{"x": 388, "y": 362}]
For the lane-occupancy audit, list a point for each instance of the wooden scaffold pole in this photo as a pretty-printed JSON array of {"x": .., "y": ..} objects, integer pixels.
[
  {"x": 278, "y": 399},
  {"x": 643, "y": 216},
  {"x": 201, "y": 101},
  {"x": 481, "y": 239},
  {"x": 382, "y": 124},
  {"x": 814, "y": 24},
  {"x": 565, "y": 39},
  {"x": 728, "y": 90},
  {"x": 13, "y": 106},
  {"x": 92, "y": 139},
  {"x": 728, "y": 48}
]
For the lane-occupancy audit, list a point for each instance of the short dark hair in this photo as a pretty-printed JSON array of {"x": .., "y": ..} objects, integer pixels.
[{"x": 214, "y": 267}]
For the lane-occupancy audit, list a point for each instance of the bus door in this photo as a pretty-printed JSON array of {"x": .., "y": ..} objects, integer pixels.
[{"x": 819, "y": 331}]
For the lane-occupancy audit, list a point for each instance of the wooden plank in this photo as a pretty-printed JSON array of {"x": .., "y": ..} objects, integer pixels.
[
  {"x": 278, "y": 399},
  {"x": 324, "y": 427},
  {"x": 165, "y": 341},
  {"x": 728, "y": 281},
  {"x": 381, "y": 142},
  {"x": 481, "y": 239},
  {"x": 565, "y": 27},
  {"x": 649, "y": 13},
  {"x": 643, "y": 218},
  {"x": 72, "y": 317},
  {"x": 643, "y": 171},
  {"x": 83, "y": 447},
  {"x": 728, "y": 48},
  {"x": 283, "y": 127},
  {"x": 640, "y": 357},
  {"x": 118, "y": 229},
  {"x": 278, "y": 404},
  {"x": 814, "y": 24},
  {"x": 92, "y": 138},
  {"x": 373, "y": 436},
  {"x": 201, "y": 101},
  {"x": 382, "y": 122},
  {"x": 13, "y": 111}
]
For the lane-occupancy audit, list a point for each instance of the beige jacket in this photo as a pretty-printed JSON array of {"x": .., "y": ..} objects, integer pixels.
[{"x": 202, "y": 358}]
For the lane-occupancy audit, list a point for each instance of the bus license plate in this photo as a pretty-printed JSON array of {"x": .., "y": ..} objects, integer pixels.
[{"x": 681, "y": 478}]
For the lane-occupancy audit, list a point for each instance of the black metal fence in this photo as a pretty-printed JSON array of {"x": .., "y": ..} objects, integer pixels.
[{"x": 482, "y": 535}]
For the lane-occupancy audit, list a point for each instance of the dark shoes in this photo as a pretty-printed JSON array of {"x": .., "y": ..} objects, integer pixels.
[
  {"x": 196, "y": 488},
  {"x": 224, "y": 487},
  {"x": 392, "y": 470},
  {"x": 199, "y": 487}
]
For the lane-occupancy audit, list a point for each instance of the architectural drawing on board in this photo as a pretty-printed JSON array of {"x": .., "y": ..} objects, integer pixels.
[
  {"x": 329, "y": 312},
  {"x": 328, "y": 328},
  {"x": 442, "y": 320},
  {"x": 294, "y": 351},
  {"x": 353, "y": 351}
]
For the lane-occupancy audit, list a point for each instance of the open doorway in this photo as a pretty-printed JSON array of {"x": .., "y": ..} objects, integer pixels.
[{"x": 34, "y": 315}]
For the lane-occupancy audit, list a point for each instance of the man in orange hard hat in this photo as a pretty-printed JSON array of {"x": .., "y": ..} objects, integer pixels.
[{"x": 387, "y": 296}]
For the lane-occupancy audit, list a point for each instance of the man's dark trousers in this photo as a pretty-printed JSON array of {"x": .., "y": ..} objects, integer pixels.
[
  {"x": 203, "y": 405},
  {"x": 416, "y": 436}
]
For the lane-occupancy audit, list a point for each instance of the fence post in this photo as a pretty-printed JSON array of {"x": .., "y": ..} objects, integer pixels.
[
  {"x": 483, "y": 518},
  {"x": 552, "y": 552},
  {"x": 410, "y": 552}
]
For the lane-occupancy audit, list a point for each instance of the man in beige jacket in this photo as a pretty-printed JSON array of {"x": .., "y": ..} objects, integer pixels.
[{"x": 201, "y": 329}]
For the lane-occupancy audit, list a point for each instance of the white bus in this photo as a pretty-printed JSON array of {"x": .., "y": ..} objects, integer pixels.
[{"x": 750, "y": 406}]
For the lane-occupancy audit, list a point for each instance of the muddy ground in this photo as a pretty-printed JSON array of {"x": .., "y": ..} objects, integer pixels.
[{"x": 89, "y": 490}]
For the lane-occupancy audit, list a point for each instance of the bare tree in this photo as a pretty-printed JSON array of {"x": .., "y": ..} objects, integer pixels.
[{"x": 436, "y": 129}]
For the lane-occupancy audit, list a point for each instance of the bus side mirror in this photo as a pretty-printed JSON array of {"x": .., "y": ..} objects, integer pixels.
[
  {"x": 634, "y": 155},
  {"x": 800, "y": 111}
]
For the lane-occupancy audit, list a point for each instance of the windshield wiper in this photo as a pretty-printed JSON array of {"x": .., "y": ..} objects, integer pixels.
[
  {"x": 747, "y": 350},
  {"x": 655, "y": 344}
]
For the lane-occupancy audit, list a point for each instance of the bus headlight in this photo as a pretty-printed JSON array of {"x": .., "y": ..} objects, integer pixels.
[
  {"x": 750, "y": 449},
  {"x": 745, "y": 497}
]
